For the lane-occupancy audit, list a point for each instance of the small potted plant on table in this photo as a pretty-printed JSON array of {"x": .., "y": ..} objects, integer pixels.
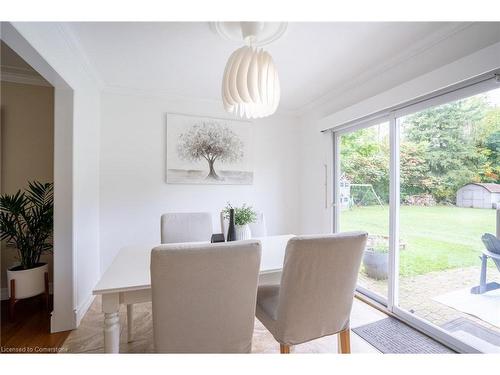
[
  {"x": 243, "y": 216},
  {"x": 26, "y": 223}
]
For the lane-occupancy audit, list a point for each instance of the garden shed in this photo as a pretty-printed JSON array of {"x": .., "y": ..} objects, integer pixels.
[{"x": 479, "y": 195}]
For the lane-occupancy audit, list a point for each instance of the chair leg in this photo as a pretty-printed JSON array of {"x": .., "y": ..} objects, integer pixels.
[
  {"x": 344, "y": 341},
  {"x": 284, "y": 349}
]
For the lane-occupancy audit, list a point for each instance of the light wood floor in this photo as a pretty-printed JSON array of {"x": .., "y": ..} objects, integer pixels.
[
  {"x": 29, "y": 331},
  {"x": 88, "y": 338}
]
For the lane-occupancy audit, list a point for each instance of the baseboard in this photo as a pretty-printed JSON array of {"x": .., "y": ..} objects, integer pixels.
[
  {"x": 68, "y": 321},
  {"x": 4, "y": 292},
  {"x": 83, "y": 308}
]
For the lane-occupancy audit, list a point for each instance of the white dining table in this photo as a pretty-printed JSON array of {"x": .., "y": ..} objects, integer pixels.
[{"x": 127, "y": 281}]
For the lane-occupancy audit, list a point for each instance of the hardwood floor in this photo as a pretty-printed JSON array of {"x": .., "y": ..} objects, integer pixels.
[{"x": 29, "y": 331}]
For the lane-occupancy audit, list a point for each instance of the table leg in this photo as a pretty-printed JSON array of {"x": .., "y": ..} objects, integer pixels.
[
  {"x": 110, "y": 307},
  {"x": 130, "y": 321}
]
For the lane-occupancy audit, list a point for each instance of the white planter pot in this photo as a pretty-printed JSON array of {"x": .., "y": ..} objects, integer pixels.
[
  {"x": 376, "y": 264},
  {"x": 30, "y": 282},
  {"x": 243, "y": 232}
]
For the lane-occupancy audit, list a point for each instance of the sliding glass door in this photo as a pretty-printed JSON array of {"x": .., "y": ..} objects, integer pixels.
[
  {"x": 449, "y": 170},
  {"x": 424, "y": 182},
  {"x": 364, "y": 201}
]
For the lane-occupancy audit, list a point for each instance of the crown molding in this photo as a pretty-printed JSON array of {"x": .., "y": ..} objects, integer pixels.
[
  {"x": 24, "y": 79},
  {"x": 169, "y": 95},
  {"x": 22, "y": 75},
  {"x": 74, "y": 44},
  {"x": 413, "y": 51}
]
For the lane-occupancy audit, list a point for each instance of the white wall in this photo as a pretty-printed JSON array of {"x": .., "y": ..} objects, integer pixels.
[
  {"x": 316, "y": 146},
  {"x": 50, "y": 49},
  {"x": 133, "y": 192}
]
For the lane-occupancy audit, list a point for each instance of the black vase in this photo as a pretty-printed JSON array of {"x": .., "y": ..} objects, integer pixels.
[{"x": 231, "y": 230}]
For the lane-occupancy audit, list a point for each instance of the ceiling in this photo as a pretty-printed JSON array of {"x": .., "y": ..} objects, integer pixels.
[{"x": 314, "y": 60}]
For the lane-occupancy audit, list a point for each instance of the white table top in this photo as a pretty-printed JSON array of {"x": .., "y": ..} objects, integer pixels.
[{"x": 130, "y": 268}]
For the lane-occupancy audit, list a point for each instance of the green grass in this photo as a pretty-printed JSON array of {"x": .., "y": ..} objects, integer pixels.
[{"x": 437, "y": 238}]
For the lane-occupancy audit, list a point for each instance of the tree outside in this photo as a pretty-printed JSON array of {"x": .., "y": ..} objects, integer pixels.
[{"x": 442, "y": 149}]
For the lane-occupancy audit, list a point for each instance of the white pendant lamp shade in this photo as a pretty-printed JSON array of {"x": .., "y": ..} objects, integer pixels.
[{"x": 250, "y": 87}]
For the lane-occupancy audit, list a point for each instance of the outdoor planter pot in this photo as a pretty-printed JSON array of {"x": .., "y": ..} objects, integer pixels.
[
  {"x": 28, "y": 283},
  {"x": 376, "y": 264}
]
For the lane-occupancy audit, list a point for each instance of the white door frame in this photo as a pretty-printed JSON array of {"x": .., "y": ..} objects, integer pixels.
[{"x": 63, "y": 316}]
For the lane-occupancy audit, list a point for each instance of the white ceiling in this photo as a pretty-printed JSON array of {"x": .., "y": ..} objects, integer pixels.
[{"x": 314, "y": 60}]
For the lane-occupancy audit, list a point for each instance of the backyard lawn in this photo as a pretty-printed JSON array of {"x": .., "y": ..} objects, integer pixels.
[{"x": 437, "y": 238}]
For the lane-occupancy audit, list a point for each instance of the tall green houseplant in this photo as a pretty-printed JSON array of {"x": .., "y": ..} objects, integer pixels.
[{"x": 27, "y": 221}]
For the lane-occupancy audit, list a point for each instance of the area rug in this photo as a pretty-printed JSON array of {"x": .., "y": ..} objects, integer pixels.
[
  {"x": 483, "y": 306},
  {"x": 390, "y": 335}
]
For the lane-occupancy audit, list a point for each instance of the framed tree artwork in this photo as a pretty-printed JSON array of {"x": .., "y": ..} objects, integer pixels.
[{"x": 205, "y": 150}]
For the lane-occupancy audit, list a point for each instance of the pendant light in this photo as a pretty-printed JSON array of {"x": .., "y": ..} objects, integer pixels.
[{"x": 250, "y": 85}]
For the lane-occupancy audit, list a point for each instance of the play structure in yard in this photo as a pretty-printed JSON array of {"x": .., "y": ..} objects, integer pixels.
[
  {"x": 357, "y": 194},
  {"x": 491, "y": 251}
]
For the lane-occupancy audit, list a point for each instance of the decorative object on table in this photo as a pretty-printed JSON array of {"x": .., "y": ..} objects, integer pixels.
[
  {"x": 203, "y": 150},
  {"x": 217, "y": 237},
  {"x": 26, "y": 223},
  {"x": 376, "y": 258},
  {"x": 243, "y": 216},
  {"x": 231, "y": 230},
  {"x": 250, "y": 85}
]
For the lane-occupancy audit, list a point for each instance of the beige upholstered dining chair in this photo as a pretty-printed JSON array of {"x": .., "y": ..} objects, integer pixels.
[
  {"x": 178, "y": 227},
  {"x": 204, "y": 296},
  {"x": 316, "y": 292},
  {"x": 258, "y": 228},
  {"x": 186, "y": 227}
]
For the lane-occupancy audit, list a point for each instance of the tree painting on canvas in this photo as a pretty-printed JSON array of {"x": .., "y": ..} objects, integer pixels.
[{"x": 208, "y": 151}]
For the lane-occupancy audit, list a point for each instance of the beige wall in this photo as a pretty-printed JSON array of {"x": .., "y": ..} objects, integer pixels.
[{"x": 27, "y": 145}]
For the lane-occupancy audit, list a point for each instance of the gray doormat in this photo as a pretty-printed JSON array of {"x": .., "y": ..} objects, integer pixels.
[
  {"x": 481, "y": 332},
  {"x": 390, "y": 335}
]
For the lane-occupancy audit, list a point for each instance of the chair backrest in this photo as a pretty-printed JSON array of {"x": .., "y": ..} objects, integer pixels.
[
  {"x": 492, "y": 244},
  {"x": 317, "y": 284},
  {"x": 186, "y": 227},
  {"x": 257, "y": 228},
  {"x": 204, "y": 296}
]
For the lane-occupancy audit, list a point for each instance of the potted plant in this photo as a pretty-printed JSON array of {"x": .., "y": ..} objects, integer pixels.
[
  {"x": 26, "y": 223},
  {"x": 243, "y": 216},
  {"x": 376, "y": 259}
]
